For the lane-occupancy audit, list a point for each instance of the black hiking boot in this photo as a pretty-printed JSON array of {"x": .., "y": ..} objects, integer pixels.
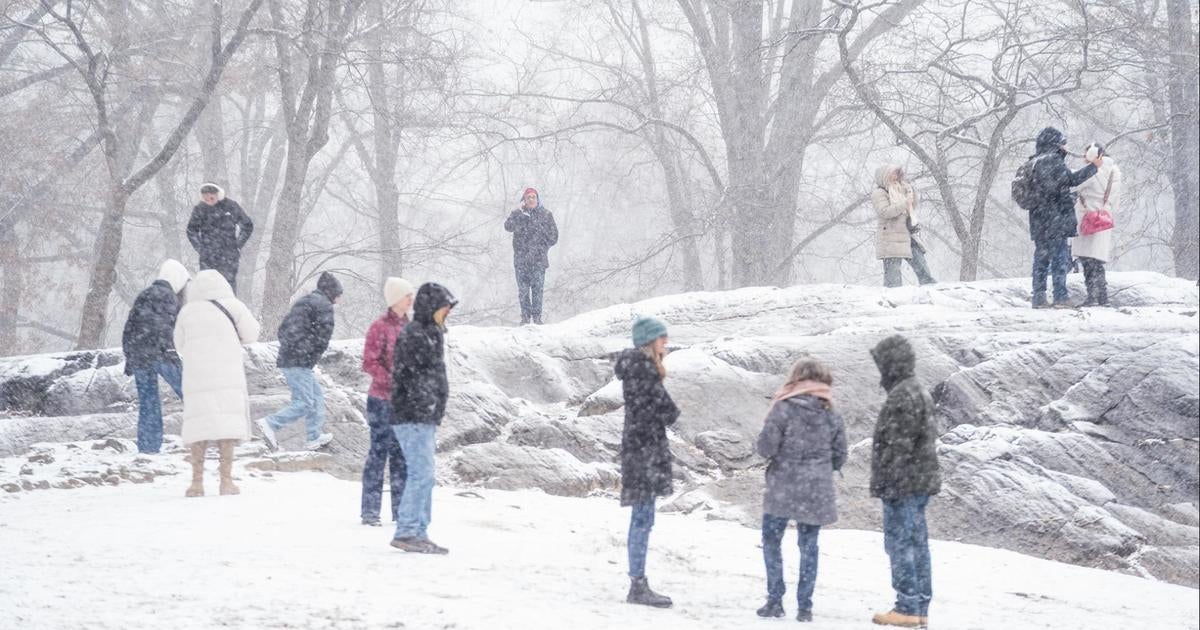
[
  {"x": 771, "y": 609},
  {"x": 640, "y": 593},
  {"x": 413, "y": 544},
  {"x": 804, "y": 615}
]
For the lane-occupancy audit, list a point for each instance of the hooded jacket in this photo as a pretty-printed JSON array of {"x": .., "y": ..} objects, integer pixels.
[
  {"x": 1053, "y": 215},
  {"x": 216, "y": 404},
  {"x": 305, "y": 332},
  {"x": 147, "y": 337},
  {"x": 218, "y": 232},
  {"x": 904, "y": 450},
  {"x": 891, "y": 201},
  {"x": 534, "y": 233},
  {"x": 420, "y": 386},
  {"x": 649, "y": 410},
  {"x": 1090, "y": 196}
]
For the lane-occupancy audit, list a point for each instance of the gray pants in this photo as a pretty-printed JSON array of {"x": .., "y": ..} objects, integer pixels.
[{"x": 891, "y": 268}]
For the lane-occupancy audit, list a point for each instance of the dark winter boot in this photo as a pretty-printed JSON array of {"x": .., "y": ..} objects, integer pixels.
[
  {"x": 640, "y": 593},
  {"x": 804, "y": 615},
  {"x": 225, "y": 447},
  {"x": 197, "y": 457},
  {"x": 771, "y": 609}
]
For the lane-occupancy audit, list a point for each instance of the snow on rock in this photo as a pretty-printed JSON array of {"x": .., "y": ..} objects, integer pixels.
[
  {"x": 289, "y": 552},
  {"x": 1070, "y": 435}
]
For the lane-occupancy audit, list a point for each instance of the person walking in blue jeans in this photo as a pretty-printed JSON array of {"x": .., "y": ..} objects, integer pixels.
[
  {"x": 304, "y": 336},
  {"x": 378, "y": 361},
  {"x": 804, "y": 442},
  {"x": 149, "y": 347},
  {"x": 420, "y": 388},
  {"x": 904, "y": 474},
  {"x": 645, "y": 453}
]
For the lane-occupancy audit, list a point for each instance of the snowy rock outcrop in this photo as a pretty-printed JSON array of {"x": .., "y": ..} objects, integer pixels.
[{"x": 1070, "y": 435}]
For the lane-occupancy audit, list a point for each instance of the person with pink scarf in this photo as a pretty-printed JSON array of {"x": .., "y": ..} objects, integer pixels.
[{"x": 804, "y": 442}]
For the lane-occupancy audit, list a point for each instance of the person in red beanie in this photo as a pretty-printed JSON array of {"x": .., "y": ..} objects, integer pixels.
[{"x": 534, "y": 233}]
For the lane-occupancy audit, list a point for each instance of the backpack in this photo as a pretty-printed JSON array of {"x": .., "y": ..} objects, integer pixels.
[{"x": 1024, "y": 188}]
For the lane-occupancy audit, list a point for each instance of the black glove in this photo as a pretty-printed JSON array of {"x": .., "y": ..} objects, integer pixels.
[{"x": 913, "y": 229}]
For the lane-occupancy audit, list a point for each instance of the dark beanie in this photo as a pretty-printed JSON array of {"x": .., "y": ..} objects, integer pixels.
[{"x": 329, "y": 286}]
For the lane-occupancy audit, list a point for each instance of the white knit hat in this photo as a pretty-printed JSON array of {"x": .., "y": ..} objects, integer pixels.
[
  {"x": 174, "y": 273},
  {"x": 395, "y": 289}
]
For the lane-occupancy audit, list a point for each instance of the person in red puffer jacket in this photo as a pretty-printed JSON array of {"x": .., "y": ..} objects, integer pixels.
[{"x": 377, "y": 361}]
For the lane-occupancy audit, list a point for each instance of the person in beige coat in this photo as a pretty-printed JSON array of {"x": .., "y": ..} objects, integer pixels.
[
  {"x": 1101, "y": 191},
  {"x": 209, "y": 334},
  {"x": 896, "y": 213}
]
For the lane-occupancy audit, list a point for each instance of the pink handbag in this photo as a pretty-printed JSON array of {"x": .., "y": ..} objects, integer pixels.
[{"x": 1097, "y": 220}]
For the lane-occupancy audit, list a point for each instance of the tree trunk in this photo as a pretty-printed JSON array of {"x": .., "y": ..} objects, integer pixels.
[
  {"x": 107, "y": 252},
  {"x": 12, "y": 290},
  {"x": 1185, "y": 140}
]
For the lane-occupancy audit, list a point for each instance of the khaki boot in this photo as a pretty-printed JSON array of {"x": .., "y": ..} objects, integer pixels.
[
  {"x": 899, "y": 619},
  {"x": 226, "y": 450},
  {"x": 197, "y": 457}
]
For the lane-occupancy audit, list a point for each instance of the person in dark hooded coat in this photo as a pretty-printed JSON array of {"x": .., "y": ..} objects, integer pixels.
[
  {"x": 219, "y": 229},
  {"x": 420, "y": 389},
  {"x": 304, "y": 336},
  {"x": 645, "y": 453},
  {"x": 904, "y": 475},
  {"x": 1052, "y": 218},
  {"x": 149, "y": 346},
  {"x": 534, "y": 233}
]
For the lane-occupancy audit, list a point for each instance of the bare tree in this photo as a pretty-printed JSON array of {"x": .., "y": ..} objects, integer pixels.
[{"x": 1185, "y": 139}]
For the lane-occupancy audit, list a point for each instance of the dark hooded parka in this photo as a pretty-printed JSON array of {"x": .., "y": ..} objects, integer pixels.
[
  {"x": 649, "y": 410},
  {"x": 218, "y": 232},
  {"x": 1053, "y": 214},
  {"x": 904, "y": 453},
  {"x": 420, "y": 385},
  {"x": 305, "y": 332}
]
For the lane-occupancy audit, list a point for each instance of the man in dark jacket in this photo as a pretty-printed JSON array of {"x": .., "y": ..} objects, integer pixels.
[
  {"x": 1052, "y": 219},
  {"x": 218, "y": 229},
  {"x": 304, "y": 335},
  {"x": 904, "y": 474},
  {"x": 420, "y": 388},
  {"x": 534, "y": 233},
  {"x": 149, "y": 346}
]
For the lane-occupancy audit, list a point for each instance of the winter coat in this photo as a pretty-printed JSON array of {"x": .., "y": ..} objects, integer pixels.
[
  {"x": 420, "y": 385},
  {"x": 377, "y": 352},
  {"x": 147, "y": 338},
  {"x": 649, "y": 410},
  {"x": 218, "y": 232},
  {"x": 1053, "y": 214},
  {"x": 305, "y": 331},
  {"x": 892, "y": 201},
  {"x": 1090, "y": 196},
  {"x": 904, "y": 451},
  {"x": 216, "y": 403},
  {"x": 534, "y": 233},
  {"x": 804, "y": 443}
]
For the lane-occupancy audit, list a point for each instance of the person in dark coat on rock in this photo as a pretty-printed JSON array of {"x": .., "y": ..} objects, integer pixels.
[
  {"x": 1052, "y": 219},
  {"x": 218, "y": 229},
  {"x": 420, "y": 389},
  {"x": 804, "y": 442},
  {"x": 645, "y": 453},
  {"x": 534, "y": 233},
  {"x": 904, "y": 475},
  {"x": 149, "y": 347},
  {"x": 304, "y": 336}
]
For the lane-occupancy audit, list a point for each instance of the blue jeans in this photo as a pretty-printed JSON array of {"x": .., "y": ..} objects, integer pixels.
[
  {"x": 641, "y": 521},
  {"x": 773, "y": 528},
  {"x": 531, "y": 282},
  {"x": 384, "y": 448},
  {"x": 150, "y": 426},
  {"x": 418, "y": 443},
  {"x": 308, "y": 402},
  {"x": 891, "y": 268},
  {"x": 906, "y": 540},
  {"x": 1051, "y": 256}
]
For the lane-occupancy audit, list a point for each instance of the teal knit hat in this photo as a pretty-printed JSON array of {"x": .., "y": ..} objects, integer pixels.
[{"x": 646, "y": 330}]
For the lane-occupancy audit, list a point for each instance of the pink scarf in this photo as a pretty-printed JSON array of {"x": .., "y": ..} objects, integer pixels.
[{"x": 799, "y": 388}]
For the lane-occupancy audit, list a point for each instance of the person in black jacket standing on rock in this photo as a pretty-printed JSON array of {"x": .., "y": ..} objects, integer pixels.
[
  {"x": 304, "y": 335},
  {"x": 218, "y": 229},
  {"x": 534, "y": 233},
  {"x": 904, "y": 475},
  {"x": 149, "y": 347},
  {"x": 645, "y": 453},
  {"x": 420, "y": 388}
]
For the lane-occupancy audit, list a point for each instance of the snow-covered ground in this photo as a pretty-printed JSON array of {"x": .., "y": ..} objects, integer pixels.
[{"x": 289, "y": 553}]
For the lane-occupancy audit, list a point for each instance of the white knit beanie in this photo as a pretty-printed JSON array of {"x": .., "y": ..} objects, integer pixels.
[{"x": 395, "y": 289}]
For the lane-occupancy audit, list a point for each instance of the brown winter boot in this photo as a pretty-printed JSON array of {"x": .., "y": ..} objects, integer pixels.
[
  {"x": 226, "y": 449},
  {"x": 197, "y": 457},
  {"x": 898, "y": 619}
]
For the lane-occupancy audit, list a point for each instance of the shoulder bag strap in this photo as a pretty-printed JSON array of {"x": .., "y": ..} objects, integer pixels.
[{"x": 227, "y": 315}]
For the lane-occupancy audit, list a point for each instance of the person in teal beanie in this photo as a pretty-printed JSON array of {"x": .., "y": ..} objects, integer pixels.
[{"x": 645, "y": 454}]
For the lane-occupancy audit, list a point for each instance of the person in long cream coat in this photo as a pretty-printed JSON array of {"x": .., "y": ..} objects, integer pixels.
[
  {"x": 1101, "y": 191},
  {"x": 896, "y": 223},
  {"x": 209, "y": 334}
]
